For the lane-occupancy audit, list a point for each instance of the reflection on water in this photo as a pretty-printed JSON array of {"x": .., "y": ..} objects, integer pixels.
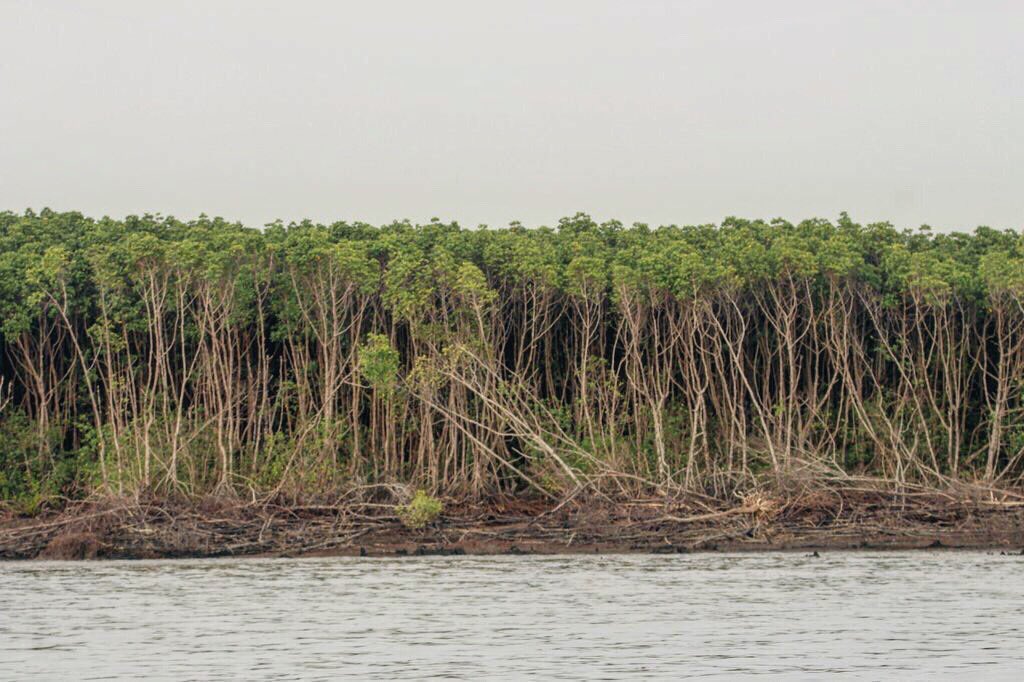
[{"x": 869, "y": 615}]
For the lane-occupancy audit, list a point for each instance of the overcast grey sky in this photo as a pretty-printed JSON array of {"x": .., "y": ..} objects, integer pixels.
[{"x": 486, "y": 112}]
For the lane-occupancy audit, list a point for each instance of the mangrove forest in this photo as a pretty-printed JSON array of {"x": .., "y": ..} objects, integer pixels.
[{"x": 155, "y": 356}]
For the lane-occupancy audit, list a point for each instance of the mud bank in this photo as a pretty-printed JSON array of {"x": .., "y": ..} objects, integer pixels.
[{"x": 117, "y": 529}]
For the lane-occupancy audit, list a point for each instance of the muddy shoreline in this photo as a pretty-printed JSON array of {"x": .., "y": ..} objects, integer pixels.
[{"x": 119, "y": 529}]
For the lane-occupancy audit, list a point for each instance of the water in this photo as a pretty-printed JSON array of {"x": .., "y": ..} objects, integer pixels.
[{"x": 867, "y": 615}]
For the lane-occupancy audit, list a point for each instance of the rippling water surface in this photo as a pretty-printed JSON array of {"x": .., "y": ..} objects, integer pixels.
[{"x": 867, "y": 615}]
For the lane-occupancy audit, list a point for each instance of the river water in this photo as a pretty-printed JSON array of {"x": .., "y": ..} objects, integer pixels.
[{"x": 867, "y": 615}]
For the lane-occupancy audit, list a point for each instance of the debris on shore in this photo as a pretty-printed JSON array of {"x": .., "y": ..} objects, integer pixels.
[{"x": 149, "y": 529}]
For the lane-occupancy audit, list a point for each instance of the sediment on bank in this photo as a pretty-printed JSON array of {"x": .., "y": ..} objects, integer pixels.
[{"x": 211, "y": 527}]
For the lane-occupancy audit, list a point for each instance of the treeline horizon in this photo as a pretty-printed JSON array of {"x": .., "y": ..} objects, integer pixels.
[{"x": 153, "y": 355}]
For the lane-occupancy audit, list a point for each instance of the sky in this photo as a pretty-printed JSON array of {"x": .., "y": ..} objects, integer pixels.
[{"x": 661, "y": 112}]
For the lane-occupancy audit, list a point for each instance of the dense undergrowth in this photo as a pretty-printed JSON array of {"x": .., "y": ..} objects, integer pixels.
[{"x": 163, "y": 357}]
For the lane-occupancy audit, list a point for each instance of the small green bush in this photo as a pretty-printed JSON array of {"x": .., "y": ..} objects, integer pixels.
[
  {"x": 379, "y": 362},
  {"x": 420, "y": 511}
]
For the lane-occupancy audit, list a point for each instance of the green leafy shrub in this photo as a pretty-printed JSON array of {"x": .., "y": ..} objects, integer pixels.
[
  {"x": 421, "y": 510},
  {"x": 378, "y": 362}
]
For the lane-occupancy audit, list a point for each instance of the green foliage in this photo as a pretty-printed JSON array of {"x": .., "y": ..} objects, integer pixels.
[
  {"x": 421, "y": 510},
  {"x": 379, "y": 362},
  {"x": 1002, "y": 272},
  {"x": 471, "y": 285},
  {"x": 34, "y": 472}
]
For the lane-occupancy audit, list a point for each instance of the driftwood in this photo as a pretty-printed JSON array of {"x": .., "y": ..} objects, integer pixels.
[{"x": 850, "y": 517}]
